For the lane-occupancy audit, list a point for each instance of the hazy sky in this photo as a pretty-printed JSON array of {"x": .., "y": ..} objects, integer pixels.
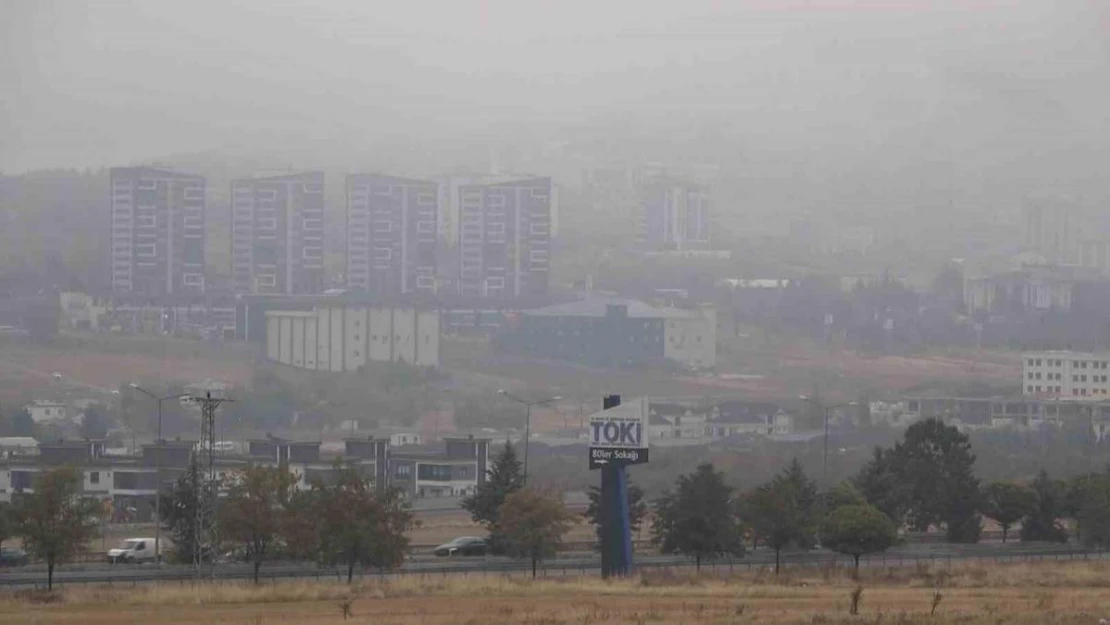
[{"x": 100, "y": 83}]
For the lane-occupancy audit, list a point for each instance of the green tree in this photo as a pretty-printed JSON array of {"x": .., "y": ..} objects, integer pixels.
[
  {"x": 269, "y": 402},
  {"x": 1042, "y": 523},
  {"x": 637, "y": 508},
  {"x": 95, "y": 422},
  {"x": 533, "y": 523},
  {"x": 8, "y": 522},
  {"x": 360, "y": 525},
  {"x": 881, "y": 486},
  {"x": 698, "y": 517},
  {"x": 843, "y": 494},
  {"x": 506, "y": 476},
  {"x": 1094, "y": 511},
  {"x": 928, "y": 479},
  {"x": 255, "y": 511},
  {"x": 1007, "y": 503},
  {"x": 857, "y": 530},
  {"x": 301, "y": 528},
  {"x": 21, "y": 424},
  {"x": 133, "y": 408},
  {"x": 54, "y": 520},
  {"x": 179, "y": 513},
  {"x": 784, "y": 511}
]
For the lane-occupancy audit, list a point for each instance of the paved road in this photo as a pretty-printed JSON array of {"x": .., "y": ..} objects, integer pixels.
[{"x": 569, "y": 564}]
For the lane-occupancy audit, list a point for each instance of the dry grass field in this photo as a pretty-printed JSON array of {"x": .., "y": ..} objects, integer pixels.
[{"x": 1041, "y": 594}]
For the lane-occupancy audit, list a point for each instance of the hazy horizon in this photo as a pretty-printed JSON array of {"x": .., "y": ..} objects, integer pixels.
[{"x": 963, "y": 93}]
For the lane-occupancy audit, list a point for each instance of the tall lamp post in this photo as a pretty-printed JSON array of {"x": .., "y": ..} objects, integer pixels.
[
  {"x": 826, "y": 409},
  {"x": 527, "y": 420},
  {"x": 158, "y": 470}
]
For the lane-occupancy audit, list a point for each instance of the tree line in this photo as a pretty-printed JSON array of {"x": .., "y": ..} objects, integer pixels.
[
  {"x": 261, "y": 515},
  {"x": 343, "y": 520},
  {"x": 925, "y": 482}
]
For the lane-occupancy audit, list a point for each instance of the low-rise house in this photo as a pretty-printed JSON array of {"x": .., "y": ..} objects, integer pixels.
[
  {"x": 734, "y": 418},
  {"x": 677, "y": 421},
  {"x": 18, "y": 446},
  {"x": 129, "y": 484},
  {"x": 47, "y": 411},
  {"x": 455, "y": 473},
  {"x": 687, "y": 421}
]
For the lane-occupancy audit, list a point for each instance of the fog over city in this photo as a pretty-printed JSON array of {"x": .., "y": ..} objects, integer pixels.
[
  {"x": 359, "y": 293},
  {"x": 976, "y": 100}
]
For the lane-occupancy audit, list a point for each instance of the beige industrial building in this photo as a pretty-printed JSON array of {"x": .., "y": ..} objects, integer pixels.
[{"x": 346, "y": 337}]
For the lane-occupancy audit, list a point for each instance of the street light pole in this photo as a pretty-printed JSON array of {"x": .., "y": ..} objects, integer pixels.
[
  {"x": 825, "y": 461},
  {"x": 157, "y": 470},
  {"x": 827, "y": 410},
  {"x": 527, "y": 437},
  {"x": 527, "y": 420}
]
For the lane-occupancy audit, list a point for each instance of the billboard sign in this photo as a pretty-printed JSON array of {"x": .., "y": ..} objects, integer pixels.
[{"x": 619, "y": 435}]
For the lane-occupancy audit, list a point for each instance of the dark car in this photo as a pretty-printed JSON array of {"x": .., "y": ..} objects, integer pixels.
[
  {"x": 463, "y": 546},
  {"x": 10, "y": 556}
]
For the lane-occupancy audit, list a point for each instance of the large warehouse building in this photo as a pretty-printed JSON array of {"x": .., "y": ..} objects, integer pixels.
[
  {"x": 616, "y": 332},
  {"x": 344, "y": 337}
]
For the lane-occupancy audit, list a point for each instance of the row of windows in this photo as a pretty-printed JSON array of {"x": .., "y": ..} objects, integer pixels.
[
  {"x": 1074, "y": 378},
  {"x": 1082, "y": 392},
  {"x": 1079, "y": 364}
]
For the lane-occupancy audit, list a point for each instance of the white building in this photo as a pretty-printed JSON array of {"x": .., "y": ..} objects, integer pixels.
[
  {"x": 404, "y": 439},
  {"x": 18, "y": 446},
  {"x": 678, "y": 421},
  {"x": 346, "y": 337},
  {"x": 47, "y": 411},
  {"x": 1066, "y": 374}
]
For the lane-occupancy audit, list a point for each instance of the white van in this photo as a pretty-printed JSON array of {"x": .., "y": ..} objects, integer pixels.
[{"x": 133, "y": 550}]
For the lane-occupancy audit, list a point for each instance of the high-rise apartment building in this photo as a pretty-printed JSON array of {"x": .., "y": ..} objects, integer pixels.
[
  {"x": 157, "y": 232},
  {"x": 277, "y": 234},
  {"x": 674, "y": 217},
  {"x": 1052, "y": 230},
  {"x": 505, "y": 239},
  {"x": 391, "y": 234}
]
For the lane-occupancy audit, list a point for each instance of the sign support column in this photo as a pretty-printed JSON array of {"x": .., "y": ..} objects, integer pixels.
[{"x": 617, "y": 440}]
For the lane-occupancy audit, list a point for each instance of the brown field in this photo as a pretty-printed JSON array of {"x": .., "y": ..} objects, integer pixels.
[
  {"x": 1042, "y": 594},
  {"x": 100, "y": 363}
]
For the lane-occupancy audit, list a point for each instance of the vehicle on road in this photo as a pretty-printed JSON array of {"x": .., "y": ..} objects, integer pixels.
[
  {"x": 463, "y": 546},
  {"x": 133, "y": 551},
  {"x": 56, "y": 375},
  {"x": 10, "y": 556}
]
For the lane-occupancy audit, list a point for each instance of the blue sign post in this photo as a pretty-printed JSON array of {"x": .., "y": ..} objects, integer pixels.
[{"x": 616, "y": 532}]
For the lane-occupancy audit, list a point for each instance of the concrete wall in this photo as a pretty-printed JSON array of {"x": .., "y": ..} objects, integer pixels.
[
  {"x": 354, "y": 339},
  {"x": 381, "y": 334},
  {"x": 404, "y": 335},
  {"x": 335, "y": 316},
  {"x": 427, "y": 336},
  {"x": 298, "y": 341},
  {"x": 311, "y": 329},
  {"x": 273, "y": 332},
  {"x": 285, "y": 344},
  {"x": 344, "y": 338}
]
